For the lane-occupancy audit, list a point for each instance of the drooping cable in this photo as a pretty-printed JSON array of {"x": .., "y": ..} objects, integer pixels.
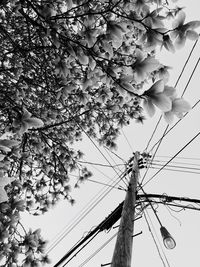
[
  {"x": 85, "y": 211},
  {"x": 100, "y": 248}
]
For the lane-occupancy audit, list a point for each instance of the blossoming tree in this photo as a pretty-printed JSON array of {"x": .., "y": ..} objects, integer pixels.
[{"x": 69, "y": 67}]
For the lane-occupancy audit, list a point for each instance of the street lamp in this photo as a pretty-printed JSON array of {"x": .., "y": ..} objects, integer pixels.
[{"x": 168, "y": 240}]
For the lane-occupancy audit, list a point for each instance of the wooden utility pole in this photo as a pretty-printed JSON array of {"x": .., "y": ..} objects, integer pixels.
[{"x": 123, "y": 247}]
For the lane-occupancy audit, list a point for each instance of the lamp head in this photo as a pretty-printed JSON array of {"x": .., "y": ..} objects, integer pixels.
[{"x": 168, "y": 240}]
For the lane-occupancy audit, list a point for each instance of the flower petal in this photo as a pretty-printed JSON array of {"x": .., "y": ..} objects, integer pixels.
[
  {"x": 149, "y": 107},
  {"x": 150, "y": 64},
  {"x": 192, "y": 35},
  {"x": 179, "y": 20},
  {"x": 170, "y": 92},
  {"x": 180, "y": 41},
  {"x": 179, "y": 105},
  {"x": 162, "y": 101},
  {"x": 169, "y": 117},
  {"x": 156, "y": 88}
]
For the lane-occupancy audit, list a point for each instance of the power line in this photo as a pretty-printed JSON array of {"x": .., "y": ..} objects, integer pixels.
[
  {"x": 131, "y": 148},
  {"x": 173, "y": 157},
  {"x": 191, "y": 158},
  {"x": 97, "y": 182},
  {"x": 176, "y": 166},
  {"x": 165, "y": 131},
  {"x": 154, "y": 239},
  {"x": 94, "y": 164},
  {"x": 100, "y": 248},
  {"x": 86, "y": 210},
  {"x": 178, "y": 162},
  {"x": 152, "y": 135},
  {"x": 174, "y": 170},
  {"x": 97, "y": 251},
  {"x": 154, "y": 155},
  {"x": 186, "y": 62},
  {"x": 107, "y": 151},
  {"x": 174, "y": 125},
  {"x": 177, "y": 81},
  {"x": 115, "y": 154},
  {"x": 197, "y": 63},
  {"x": 100, "y": 151},
  {"x": 99, "y": 164},
  {"x": 79, "y": 250}
]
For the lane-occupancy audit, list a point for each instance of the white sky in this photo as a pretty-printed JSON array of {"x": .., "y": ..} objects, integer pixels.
[{"x": 184, "y": 229}]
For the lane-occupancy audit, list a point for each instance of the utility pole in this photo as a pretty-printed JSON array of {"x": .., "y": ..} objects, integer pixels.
[{"x": 123, "y": 247}]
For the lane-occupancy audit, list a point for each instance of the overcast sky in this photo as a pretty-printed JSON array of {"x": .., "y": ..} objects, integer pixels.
[{"x": 184, "y": 225}]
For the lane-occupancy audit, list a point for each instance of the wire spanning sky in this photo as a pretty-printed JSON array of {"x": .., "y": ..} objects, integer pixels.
[{"x": 96, "y": 198}]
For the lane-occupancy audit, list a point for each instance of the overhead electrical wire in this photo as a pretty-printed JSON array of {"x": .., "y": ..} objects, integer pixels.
[
  {"x": 186, "y": 62},
  {"x": 99, "y": 150},
  {"x": 183, "y": 207},
  {"x": 174, "y": 125},
  {"x": 178, "y": 162},
  {"x": 104, "y": 245},
  {"x": 97, "y": 182},
  {"x": 127, "y": 141},
  {"x": 193, "y": 71},
  {"x": 119, "y": 175},
  {"x": 115, "y": 155},
  {"x": 166, "y": 131},
  {"x": 175, "y": 166},
  {"x": 190, "y": 158},
  {"x": 81, "y": 215},
  {"x": 152, "y": 135},
  {"x": 97, "y": 251},
  {"x": 109, "y": 154},
  {"x": 101, "y": 165},
  {"x": 157, "y": 243},
  {"x": 174, "y": 170},
  {"x": 153, "y": 156},
  {"x": 191, "y": 140},
  {"x": 94, "y": 164},
  {"x": 81, "y": 248},
  {"x": 177, "y": 81}
]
